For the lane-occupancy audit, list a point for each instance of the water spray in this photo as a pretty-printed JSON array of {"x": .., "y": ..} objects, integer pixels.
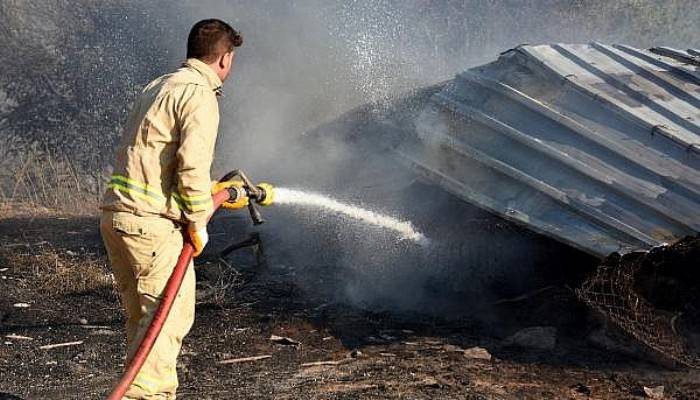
[
  {"x": 261, "y": 194},
  {"x": 404, "y": 229}
]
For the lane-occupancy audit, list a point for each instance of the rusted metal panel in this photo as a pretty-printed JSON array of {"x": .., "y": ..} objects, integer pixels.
[{"x": 597, "y": 146}]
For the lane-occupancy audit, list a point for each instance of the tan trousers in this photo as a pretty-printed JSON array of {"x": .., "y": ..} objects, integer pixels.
[{"x": 143, "y": 252}]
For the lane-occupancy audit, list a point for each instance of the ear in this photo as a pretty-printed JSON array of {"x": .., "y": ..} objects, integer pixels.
[
  {"x": 223, "y": 61},
  {"x": 226, "y": 60}
]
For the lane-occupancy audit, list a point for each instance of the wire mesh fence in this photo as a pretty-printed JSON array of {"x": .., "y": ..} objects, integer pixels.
[{"x": 613, "y": 291}]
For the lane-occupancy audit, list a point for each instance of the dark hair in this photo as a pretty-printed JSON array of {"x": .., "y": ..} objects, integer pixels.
[{"x": 210, "y": 38}]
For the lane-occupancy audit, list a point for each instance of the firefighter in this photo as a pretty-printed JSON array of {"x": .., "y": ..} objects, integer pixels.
[{"x": 160, "y": 191}]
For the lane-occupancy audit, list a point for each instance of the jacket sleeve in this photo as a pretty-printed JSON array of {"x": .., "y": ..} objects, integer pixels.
[{"x": 199, "y": 123}]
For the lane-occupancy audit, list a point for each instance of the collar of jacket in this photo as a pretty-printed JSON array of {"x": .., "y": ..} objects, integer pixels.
[{"x": 207, "y": 73}]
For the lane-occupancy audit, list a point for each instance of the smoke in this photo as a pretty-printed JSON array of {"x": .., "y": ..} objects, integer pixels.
[
  {"x": 71, "y": 70},
  {"x": 72, "y": 67},
  {"x": 292, "y": 119},
  {"x": 313, "y": 83},
  {"x": 306, "y": 62}
]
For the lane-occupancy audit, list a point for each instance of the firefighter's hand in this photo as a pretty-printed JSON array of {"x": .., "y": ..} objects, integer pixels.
[
  {"x": 240, "y": 199},
  {"x": 199, "y": 240}
]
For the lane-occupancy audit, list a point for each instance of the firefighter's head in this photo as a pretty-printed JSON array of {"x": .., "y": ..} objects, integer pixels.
[{"x": 214, "y": 42}]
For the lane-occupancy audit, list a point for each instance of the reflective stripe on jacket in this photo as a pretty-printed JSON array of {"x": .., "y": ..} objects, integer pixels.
[{"x": 167, "y": 147}]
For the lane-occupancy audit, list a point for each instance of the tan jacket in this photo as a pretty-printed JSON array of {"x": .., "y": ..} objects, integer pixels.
[{"x": 167, "y": 146}]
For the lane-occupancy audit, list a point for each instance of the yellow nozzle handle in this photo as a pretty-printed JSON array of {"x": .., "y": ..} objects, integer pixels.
[
  {"x": 219, "y": 186},
  {"x": 269, "y": 194}
]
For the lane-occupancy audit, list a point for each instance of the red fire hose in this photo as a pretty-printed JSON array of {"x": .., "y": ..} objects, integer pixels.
[{"x": 166, "y": 303}]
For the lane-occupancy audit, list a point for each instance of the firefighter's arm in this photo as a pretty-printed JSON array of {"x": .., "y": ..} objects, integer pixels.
[{"x": 199, "y": 123}]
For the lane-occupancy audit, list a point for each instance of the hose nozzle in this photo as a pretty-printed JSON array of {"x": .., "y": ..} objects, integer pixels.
[
  {"x": 262, "y": 194},
  {"x": 266, "y": 194}
]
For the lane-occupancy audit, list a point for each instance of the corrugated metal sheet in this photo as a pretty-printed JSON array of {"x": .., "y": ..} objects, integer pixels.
[{"x": 596, "y": 146}]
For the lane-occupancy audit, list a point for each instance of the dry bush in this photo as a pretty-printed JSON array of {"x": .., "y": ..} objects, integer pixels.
[
  {"x": 38, "y": 178},
  {"x": 218, "y": 280}
]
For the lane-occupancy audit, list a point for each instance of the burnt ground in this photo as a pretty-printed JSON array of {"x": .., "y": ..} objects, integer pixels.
[{"x": 56, "y": 266}]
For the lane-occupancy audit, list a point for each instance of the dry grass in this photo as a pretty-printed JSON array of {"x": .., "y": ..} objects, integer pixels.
[
  {"x": 56, "y": 272},
  {"x": 44, "y": 180},
  {"x": 37, "y": 188}
]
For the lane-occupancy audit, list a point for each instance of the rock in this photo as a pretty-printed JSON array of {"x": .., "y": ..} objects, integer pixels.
[
  {"x": 450, "y": 348},
  {"x": 656, "y": 392},
  {"x": 83, "y": 321},
  {"x": 478, "y": 353},
  {"x": 580, "y": 388},
  {"x": 607, "y": 340},
  {"x": 429, "y": 381},
  {"x": 536, "y": 337}
]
